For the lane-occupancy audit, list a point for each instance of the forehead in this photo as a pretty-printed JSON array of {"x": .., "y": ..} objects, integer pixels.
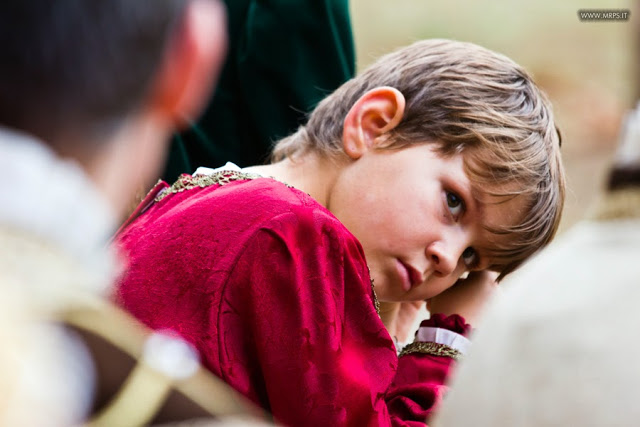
[
  {"x": 500, "y": 216},
  {"x": 499, "y": 212}
]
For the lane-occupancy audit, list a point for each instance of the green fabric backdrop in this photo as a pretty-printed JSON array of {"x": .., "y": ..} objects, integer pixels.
[{"x": 284, "y": 57}]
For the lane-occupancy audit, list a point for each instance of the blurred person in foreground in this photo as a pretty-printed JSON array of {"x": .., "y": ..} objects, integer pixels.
[
  {"x": 559, "y": 347},
  {"x": 90, "y": 92}
]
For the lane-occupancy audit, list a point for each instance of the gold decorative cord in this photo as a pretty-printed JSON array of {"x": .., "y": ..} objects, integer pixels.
[
  {"x": 146, "y": 389},
  {"x": 376, "y": 303},
  {"x": 431, "y": 348}
]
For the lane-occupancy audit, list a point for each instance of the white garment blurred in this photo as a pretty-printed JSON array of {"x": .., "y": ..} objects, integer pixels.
[
  {"x": 53, "y": 234},
  {"x": 559, "y": 347}
]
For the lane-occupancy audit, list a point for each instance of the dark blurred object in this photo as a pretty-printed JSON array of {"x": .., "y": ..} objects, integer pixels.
[
  {"x": 626, "y": 169},
  {"x": 147, "y": 377},
  {"x": 623, "y": 177},
  {"x": 284, "y": 57}
]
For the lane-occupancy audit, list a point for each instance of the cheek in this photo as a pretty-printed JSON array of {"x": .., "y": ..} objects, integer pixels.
[
  {"x": 440, "y": 285},
  {"x": 386, "y": 210},
  {"x": 372, "y": 218}
]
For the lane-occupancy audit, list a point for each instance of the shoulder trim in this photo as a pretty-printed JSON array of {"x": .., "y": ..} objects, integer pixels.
[{"x": 187, "y": 182}]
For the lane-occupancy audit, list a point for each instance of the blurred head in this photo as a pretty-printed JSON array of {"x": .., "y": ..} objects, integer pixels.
[
  {"x": 469, "y": 105},
  {"x": 80, "y": 74},
  {"x": 73, "y": 64}
]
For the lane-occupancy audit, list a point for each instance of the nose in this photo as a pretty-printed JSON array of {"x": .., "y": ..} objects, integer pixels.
[{"x": 444, "y": 255}]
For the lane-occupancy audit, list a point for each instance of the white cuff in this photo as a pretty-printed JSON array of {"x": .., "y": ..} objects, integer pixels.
[{"x": 443, "y": 336}]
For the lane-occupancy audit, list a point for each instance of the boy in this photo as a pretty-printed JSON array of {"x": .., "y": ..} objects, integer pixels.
[
  {"x": 89, "y": 94},
  {"x": 441, "y": 158}
]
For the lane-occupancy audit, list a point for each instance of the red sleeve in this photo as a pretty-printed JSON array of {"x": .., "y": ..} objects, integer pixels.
[
  {"x": 302, "y": 288},
  {"x": 419, "y": 384}
]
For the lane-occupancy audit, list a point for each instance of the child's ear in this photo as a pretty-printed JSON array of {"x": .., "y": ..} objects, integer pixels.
[
  {"x": 375, "y": 113},
  {"x": 191, "y": 63}
]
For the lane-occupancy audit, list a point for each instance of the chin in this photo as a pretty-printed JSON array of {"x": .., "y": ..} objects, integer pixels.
[
  {"x": 397, "y": 297},
  {"x": 383, "y": 294}
]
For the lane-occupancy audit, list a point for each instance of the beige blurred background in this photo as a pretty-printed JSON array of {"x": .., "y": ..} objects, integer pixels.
[{"x": 589, "y": 69}]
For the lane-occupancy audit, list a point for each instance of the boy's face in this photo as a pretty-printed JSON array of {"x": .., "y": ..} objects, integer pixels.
[{"x": 419, "y": 221}]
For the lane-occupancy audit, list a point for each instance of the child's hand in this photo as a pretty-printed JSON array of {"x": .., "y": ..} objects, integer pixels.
[{"x": 467, "y": 297}]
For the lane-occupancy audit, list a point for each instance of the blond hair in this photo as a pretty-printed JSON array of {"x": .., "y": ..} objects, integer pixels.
[{"x": 464, "y": 99}]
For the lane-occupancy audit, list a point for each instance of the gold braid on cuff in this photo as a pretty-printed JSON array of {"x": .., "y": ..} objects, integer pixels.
[{"x": 432, "y": 348}]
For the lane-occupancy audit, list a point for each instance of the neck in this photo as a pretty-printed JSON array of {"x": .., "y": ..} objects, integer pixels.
[
  {"x": 128, "y": 162},
  {"x": 313, "y": 174},
  {"x": 389, "y": 314}
]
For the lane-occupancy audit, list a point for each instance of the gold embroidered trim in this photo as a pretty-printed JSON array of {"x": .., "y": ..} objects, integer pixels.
[
  {"x": 376, "y": 303},
  {"x": 187, "y": 182},
  {"x": 618, "y": 204},
  {"x": 432, "y": 348}
]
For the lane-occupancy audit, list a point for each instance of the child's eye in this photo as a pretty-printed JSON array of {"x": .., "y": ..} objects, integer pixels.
[
  {"x": 469, "y": 257},
  {"x": 455, "y": 204}
]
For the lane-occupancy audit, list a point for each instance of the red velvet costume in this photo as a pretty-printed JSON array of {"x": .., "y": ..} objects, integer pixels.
[{"x": 275, "y": 293}]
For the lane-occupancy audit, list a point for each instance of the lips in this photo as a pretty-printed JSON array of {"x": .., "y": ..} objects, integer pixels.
[
  {"x": 411, "y": 277},
  {"x": 415, "y": 275}
]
